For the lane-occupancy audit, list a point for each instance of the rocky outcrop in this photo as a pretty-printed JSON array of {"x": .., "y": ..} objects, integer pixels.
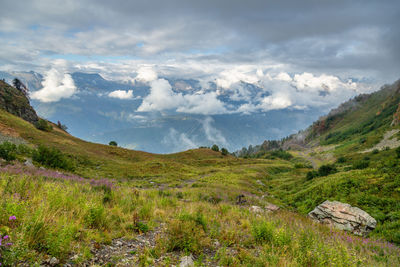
[
  {"x": 344, "y": 217},
  {"x": 16, "y": 102}
]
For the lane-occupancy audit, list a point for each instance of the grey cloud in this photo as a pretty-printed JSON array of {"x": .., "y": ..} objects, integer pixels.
[{"x": 337, "y": 37}]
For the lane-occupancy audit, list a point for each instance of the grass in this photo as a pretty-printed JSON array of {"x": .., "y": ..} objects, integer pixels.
[
  {"x": 106, "y": 192},
  {"x": 74, "y": 214}
]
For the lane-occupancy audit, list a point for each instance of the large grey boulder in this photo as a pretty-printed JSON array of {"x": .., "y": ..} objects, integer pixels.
[{"x": 344, "y": 217}]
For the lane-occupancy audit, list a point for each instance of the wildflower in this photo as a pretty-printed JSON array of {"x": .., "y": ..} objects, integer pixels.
[
  {"x": 12, "y": 218},
  {"x": 6, "y": 237}
]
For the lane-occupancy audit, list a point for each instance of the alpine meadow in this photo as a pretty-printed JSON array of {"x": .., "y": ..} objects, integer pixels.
[{"x": 199, "y": 133}]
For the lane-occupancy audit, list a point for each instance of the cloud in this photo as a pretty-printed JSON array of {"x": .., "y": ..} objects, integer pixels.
[
  {"x": 146, "y": 74},
  {"x": 213, "y": 134},
  {"x": 121, "y": 94},
  {"x": 309, "y": 82},
  {"x": 56, "y": 85},
  {"x": 162, "y": 98},
  {"x": 178, "y": 141}
]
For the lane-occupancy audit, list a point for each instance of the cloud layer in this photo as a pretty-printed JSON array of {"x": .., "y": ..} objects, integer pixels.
[{"x": 56, "y": 85}]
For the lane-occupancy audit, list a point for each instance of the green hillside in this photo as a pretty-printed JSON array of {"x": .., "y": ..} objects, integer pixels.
[{"x": 85, "y": 203}]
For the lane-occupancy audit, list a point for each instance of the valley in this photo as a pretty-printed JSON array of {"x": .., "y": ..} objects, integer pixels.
[{"x": 88, "y": 204}]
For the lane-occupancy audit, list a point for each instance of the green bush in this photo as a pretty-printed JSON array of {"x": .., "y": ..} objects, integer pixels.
[
  {"x": 326, "y": 169},
  {"x": 361, "y": 164},
  {"x": 398, "y": 152},
  {"x": 311, "y": 175},
  {"x": 8, "y": 151},
  {"x": 341, "y": 159},
  {"x": 263, "y": 232},
  {"x": 52, "y": 157},
  {"x": 215, "y": 148},
  {"x": 224, "y": 151},
  {"x": 113, "y": 143},
  {"x": 43, "y": 125},
  {"x": 95, "y": 217},
  {"x": 185, "y": 236}
]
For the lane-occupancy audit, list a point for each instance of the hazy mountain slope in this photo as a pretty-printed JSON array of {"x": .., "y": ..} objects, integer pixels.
[{"x": 356, "y": 124}]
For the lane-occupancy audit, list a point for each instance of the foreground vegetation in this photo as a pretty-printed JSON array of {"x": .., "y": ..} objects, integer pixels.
[
  {"x": 61, "y": 216},
  {"x": 64, "y": 199}
]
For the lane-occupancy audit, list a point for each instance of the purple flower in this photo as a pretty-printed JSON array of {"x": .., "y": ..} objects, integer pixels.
[
  {"x": 12, "y": 218},
  {"x": 6, "y": 237}
]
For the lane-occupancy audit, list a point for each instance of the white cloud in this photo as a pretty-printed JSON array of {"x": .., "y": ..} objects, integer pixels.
[
  {"x": 276, "y": 101},
  {"x": 121, "y": 94},
  {"x": 162, "y": 97},
  {"x": 283, "y": 76},
  {"x": 213, "y": 134},
  {"x": 56, "y": 85},
  {"x": 243, "y": 73},
  {"x": 146, "y": 74},
  {"x": 309, "y": 82},
  {"x": 178, "y": 141}
]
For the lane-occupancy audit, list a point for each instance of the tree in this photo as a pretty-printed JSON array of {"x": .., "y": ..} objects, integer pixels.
[
  {"x": 62, "y": 126},
  {"x": 17, "y": 83},
  {"x": 113, "y": 143},
  {"x": 20, "y": 86},
  {"x": 215, "y": 148},
  {"x": 224, "y": 151},
  {"x": 43, "y": 125}
]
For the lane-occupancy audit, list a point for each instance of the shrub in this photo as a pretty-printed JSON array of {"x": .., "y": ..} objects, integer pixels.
[
  {"x": 186, "y": 236},
  {"x": 113, "y": 143},
  {"x": 43, "y": 125},
  {"x": 62, "y": 126},
  {"x": 263, "y": 232},
  {"x": 362, "y": 164},
  {"x": 311, "y": 175},
  {"x": 224, "y": 151},
  {"x": 341, "y": 159},
  {"x": 52, "y": 157},
  {"x": 326, "y": 169},
  {"x": 279, "y": 154},
  {"x": 375, "y": 151},
  {"x": 94, "y": 217},
  {"x": 215, "y": 148},
  {"x": 8, "y": 151},
  {"x": 398, "y": 152}
]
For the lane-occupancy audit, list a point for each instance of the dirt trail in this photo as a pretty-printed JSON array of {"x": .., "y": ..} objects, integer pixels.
[{"x": 389, "y": 140}]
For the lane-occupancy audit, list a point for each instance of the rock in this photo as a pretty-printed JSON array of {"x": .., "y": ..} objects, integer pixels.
[
  {"x": 240, "y": 199},
  {"x": 256, "y": 209},
  {"x": 186, "y": 261},
  {"x": 344, "y": 217},
  {"x": 260, "y": 183},
  {"x": 54, "y": 261},
  {"x": 28, "y": 162},
  {"x": 271, "y": 207}
]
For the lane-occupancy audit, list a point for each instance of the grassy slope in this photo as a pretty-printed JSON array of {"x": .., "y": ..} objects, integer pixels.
[{"x": 192, "y": 193}]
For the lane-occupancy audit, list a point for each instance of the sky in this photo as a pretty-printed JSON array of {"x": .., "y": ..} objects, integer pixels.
[{"x": 303, "y": 53}]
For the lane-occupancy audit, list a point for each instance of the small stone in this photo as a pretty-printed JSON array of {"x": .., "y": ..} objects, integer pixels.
[
  {"x": 74, "y": 258},
  {"x": 271, "y": 207},
  {"x": 28, "y": 162},
  {"x": 186, "y": 261},
  {"x": 54, "y": 261},
  {"x": 260, "y": 183},
  {"x": 256, "y": 209}
]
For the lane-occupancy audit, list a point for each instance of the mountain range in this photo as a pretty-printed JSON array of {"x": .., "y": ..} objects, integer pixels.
[{"x": 109, "y": 118}]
